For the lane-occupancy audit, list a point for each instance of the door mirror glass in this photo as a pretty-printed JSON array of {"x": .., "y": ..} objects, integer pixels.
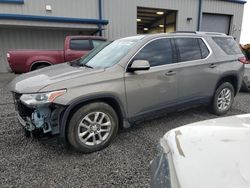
[{"x": 138, "y": 65}]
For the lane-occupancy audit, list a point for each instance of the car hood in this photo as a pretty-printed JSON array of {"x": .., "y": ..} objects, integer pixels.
[
  {"x": 37, "y": 80},
  {"x": 213, "y": 153}
]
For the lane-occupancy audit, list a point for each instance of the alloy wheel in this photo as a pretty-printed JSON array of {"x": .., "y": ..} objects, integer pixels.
[
  {"x": 224, "y": 99},
  {"x": 94, "y": 128}
]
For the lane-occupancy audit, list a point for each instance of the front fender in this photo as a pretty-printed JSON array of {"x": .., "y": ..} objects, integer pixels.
[{"x": 80, "y": 100}]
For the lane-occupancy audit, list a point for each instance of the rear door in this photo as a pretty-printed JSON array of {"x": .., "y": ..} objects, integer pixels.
[
  {"x": 156, "y": 88},
  {"x": 196, "y": 70}
]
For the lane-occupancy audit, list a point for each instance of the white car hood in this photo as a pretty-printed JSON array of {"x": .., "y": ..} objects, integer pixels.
[{"x": 213, "y": 153}]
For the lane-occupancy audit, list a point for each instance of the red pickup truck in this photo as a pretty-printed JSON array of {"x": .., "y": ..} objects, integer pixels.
[{"x": 22, "y": 61}]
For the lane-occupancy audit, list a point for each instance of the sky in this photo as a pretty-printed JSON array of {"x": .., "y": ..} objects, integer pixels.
[{"x": 245, "y": 32}]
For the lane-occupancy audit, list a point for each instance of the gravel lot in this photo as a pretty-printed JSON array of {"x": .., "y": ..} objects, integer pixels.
[{"x": 125, "y": 163}]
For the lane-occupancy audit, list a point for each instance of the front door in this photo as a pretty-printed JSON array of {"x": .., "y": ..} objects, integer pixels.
[{"x": 155, "y": 88}]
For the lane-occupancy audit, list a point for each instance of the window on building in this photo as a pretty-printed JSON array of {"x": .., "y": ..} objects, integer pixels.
[
  {"x": 191, "y": 49},
  {"x": 158, "y": 52},
  {"x": 80, "y": 44}
]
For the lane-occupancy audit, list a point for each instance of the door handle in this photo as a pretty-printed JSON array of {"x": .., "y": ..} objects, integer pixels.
[
  {"x": 212, "y": 66},
  {"x": 170, "y": 73}
]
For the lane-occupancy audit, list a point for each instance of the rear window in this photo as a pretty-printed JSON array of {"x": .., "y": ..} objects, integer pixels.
[
  {"x": 80, "y": 44},
  {"x": 190, "y": 49},
  {"x": 227, "y": 44}
]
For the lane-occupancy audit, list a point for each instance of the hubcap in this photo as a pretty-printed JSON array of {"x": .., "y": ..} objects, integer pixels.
[
  {"x": 94, "y": 128},
  {"x": 224, "y": 99}
]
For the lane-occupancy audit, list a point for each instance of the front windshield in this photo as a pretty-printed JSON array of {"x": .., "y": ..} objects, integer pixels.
[{"x": 110, "y": 53}]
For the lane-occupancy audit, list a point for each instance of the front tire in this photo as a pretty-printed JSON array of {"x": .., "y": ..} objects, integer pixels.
[
  {"x": 92, "y": 127},
  {"x": 223, "y": 99}
]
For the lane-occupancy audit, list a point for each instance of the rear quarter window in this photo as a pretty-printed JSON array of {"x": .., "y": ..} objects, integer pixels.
[{"x": 228, "y": 45}]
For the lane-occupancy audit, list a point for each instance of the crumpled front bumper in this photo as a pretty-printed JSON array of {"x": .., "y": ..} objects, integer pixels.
[{"x": 40, "y": 122}]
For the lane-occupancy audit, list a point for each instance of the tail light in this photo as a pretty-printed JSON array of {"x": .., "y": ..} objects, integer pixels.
[
  {"x": 8, "y": 57},
  {"x": 243, "y": 60}
]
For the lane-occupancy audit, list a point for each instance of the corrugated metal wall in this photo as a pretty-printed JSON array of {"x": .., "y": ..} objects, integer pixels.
[
  {"x": 67, "y": 8},
  {"x": 122, "y": 14},
  {"x": 42, "y": 38}
]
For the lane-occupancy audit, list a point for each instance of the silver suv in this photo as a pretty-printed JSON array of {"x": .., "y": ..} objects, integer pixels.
[{"x": 85, "y": 102}]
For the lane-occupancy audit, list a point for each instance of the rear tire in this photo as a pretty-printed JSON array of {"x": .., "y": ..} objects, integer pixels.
[
  {"x": 92, "y": 127},
  {"x": 223, "y": 99}
]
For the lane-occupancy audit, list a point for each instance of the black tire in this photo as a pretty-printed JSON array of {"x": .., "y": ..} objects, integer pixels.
[
  {"x": 214, "y": 105},
  {"x": 78, "y": 117}
]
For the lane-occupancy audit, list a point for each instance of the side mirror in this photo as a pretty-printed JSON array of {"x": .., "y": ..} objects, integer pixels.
[{"x": 139, "y": 65}]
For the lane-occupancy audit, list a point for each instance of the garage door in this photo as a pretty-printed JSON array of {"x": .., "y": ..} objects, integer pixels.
[{"x": 216, "y": 23}]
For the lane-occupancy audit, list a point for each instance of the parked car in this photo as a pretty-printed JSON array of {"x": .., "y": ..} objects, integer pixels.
[
  {"x": 213, "y": 153},
  {"x": 22, "y": 61},
  {"x": 86, "y": 101}
]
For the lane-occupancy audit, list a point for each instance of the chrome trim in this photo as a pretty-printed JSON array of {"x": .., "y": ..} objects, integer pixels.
[{"x": 170, "y": 37}]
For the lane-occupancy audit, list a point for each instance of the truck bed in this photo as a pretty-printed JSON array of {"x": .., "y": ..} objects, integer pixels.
[{"x": 22, "y": 60}]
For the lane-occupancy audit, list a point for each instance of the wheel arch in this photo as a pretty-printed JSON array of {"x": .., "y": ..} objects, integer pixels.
[
  {"x": 231, "y": 78},
  {"x": 113, "y": 101}
]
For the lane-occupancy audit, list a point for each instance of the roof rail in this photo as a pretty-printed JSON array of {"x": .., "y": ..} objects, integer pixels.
[
  {"x": 192, "y": 32},
  {"x": 199, "y": 32},
  {"x": 211, "y": 33}
]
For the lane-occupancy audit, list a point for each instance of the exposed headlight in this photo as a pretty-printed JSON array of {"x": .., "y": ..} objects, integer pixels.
[{"x": 37, "y": 99}]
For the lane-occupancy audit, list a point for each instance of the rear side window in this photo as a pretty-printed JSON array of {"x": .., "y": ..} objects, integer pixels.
[
  {"x": 80, "y": 44},
  {"x": 190, "y": 49},
  {"x": 157, "y": 52},
  {"x": 97, "y": 43},
  {"x": 228, "y": 45}
]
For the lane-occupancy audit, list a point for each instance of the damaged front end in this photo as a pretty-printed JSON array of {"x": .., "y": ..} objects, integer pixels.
[{"x": 40, "y": 121}]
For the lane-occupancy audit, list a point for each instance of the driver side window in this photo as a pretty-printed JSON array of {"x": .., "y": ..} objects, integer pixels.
[{"x": 157, "y": 52}]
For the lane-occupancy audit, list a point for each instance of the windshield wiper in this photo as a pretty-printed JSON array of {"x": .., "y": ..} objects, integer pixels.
[{"x": 88, "y": 66}]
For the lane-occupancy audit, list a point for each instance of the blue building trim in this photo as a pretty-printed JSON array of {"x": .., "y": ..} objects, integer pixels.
[
  {"x": 52, "y": 19},
  {"x": 237, "y": 1},
  {"x": 12, "y": 1}
]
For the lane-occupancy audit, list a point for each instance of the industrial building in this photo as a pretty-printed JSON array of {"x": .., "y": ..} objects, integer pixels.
[{"x": 33, "y": 24}]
